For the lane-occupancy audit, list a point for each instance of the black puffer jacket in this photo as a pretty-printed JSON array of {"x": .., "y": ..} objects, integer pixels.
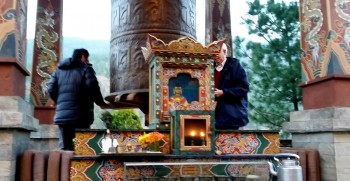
[{"x": 74, "y": 88}]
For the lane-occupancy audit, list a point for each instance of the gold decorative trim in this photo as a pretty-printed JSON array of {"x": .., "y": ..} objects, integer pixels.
[
  {"x": 184, "y": 45},
  {"x": 207, "y": 135}
]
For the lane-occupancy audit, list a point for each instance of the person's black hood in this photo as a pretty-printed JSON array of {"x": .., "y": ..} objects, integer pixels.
[{"x": 69, "y": 63}]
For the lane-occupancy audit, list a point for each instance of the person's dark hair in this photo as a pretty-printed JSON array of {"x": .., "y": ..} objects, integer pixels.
[{"x": 79, "y": 52}]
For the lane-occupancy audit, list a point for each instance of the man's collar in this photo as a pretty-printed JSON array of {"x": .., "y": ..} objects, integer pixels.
[
  {"x": 219, "y": 67},
  {"x": 223, "y": 62}
]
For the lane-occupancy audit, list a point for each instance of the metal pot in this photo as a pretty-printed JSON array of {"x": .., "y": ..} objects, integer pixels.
[{"x": 288, "y": 169}]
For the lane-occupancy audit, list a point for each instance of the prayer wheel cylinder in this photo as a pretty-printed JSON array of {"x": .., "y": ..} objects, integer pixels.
[{"x": 132, "y": 21}]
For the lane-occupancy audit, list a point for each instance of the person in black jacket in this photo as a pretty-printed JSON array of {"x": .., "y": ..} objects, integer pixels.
[
  {"x": 74, "y": 88},
  {"x": 231, "y": 92}
]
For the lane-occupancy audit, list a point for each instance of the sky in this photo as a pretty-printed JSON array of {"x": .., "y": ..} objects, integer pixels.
[
  {"x": 89, "y": 19},
  {"x": 94, "y": 21}
]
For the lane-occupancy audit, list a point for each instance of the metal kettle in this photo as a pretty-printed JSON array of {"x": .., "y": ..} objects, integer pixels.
[{"x": 288, "y": 169}]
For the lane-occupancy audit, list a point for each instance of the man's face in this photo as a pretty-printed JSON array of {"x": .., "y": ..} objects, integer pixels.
[
  {"x": 84, "y": 59},
  {"x": 221, "y": 56}
]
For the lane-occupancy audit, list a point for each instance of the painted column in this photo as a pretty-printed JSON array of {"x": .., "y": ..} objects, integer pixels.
[
  {"x": 47, "y": 52},
  {"x": 324, "y": 124},
  {"x": 218, "y": 22},
  {"x": 13, "y": 25},
  {"x": 16, "y": 115},
  {"x": 325, "y": 42},
  {"x": 132, "y": 21}
]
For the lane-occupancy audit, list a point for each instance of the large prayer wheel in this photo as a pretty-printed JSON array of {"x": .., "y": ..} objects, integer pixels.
[{"x": 132, "y": 21}]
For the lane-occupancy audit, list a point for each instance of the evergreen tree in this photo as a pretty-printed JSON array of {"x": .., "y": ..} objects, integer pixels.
[{"x": 273, "y": 64}]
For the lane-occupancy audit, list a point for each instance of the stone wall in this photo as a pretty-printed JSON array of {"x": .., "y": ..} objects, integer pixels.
[
  {"x": 16, "y": 123},
  {"x": 20, "y": 131},
  {"x": 328, "y": 131}
]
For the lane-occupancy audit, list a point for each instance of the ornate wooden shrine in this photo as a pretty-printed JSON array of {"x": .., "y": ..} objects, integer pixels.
[
  {"x": 181, "y": 103},
  {"x": 180, "y": 86}
]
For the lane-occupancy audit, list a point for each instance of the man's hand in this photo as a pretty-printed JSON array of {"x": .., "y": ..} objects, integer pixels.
[
  {"x": 106, "y": 106},
  {"x": 218, "y": 92}
]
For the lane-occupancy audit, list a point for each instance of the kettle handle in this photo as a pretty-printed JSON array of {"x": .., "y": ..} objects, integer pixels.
[{"x": 286, "y": 155}]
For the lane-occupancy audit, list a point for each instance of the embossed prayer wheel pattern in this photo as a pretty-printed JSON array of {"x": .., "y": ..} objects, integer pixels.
[{"x": 132, "y": 21}]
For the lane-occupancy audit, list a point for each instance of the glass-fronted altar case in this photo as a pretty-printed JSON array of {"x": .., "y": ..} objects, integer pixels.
[{"x": 181, "y": 94}]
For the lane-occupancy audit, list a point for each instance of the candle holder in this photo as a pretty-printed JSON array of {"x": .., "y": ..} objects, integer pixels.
[
  {"x": 202, "y": 138},
  {"x": 194, "y": 131}
]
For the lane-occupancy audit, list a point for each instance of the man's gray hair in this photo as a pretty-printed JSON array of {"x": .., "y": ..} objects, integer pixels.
[{"x": 224, "y": 47}]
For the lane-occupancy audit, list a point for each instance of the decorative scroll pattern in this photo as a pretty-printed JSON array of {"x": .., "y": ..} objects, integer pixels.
[
  {"x": 246, "y": 169},
  {"x": 78, "y": 169},
  {"x": 22, "y": 30},
  {"x": 8, "y": 28},
  {"x": 273, "y": 143},
  {"x": 182, "y": 45},
  {"x": 311, "y": 26},
  {"x": 234, "y": 144},
  {"x": 82, "y": 140},
  {"x": 113, "y": 169},
  {"x": 89, "y": 143},
  {"x": 46, "y": 49},
  {"x": 248, "y": 143},
  {"x": 325, "y": 38}
]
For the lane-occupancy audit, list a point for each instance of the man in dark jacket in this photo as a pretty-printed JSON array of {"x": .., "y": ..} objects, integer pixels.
[
  {"x": 231, "y": 90},
  {"x": 74, "y": 88}
]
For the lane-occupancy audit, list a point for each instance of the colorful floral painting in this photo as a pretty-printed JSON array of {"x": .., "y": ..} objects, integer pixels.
[{"x": 247, "y": 143}]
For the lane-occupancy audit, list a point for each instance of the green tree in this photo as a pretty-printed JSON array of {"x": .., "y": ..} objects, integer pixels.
[
  {"x": 273, "y": 64},
  {"x": 125, "y": 119}
]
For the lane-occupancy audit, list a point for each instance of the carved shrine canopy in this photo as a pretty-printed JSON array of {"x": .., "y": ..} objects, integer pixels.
[
  {"x": 184, "y": 46},
  {"x": 180, "y": 76}
]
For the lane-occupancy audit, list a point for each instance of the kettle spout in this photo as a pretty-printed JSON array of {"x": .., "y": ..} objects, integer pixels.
[{"x": 272, "y": 171}]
